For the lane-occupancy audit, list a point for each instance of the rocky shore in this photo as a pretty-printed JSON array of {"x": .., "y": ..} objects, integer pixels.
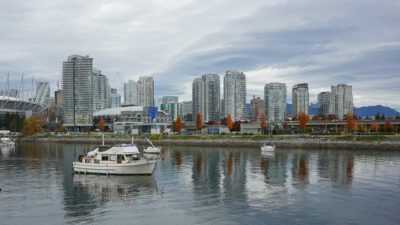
[{"x": 303, "y": 143}]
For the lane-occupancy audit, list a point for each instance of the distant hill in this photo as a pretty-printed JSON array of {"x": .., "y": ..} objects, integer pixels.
[
  {"x": 373, "y": 110},
  {"x": 361, "y": 111},
  {"x": 313, "y": 108}
]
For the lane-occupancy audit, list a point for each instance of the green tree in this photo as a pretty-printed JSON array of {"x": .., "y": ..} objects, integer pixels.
[
  {"x": 173, "y": 126},
  {"x": 7, "y": 121}
]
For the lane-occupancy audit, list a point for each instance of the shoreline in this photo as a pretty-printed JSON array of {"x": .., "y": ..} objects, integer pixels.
[{"x": 303, "y": 143}]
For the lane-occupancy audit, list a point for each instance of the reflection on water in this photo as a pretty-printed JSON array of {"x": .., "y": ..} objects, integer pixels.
[
  {"x": 88, "y": 192},
  {"x": 5, "y": 151},
  {"x": 203, "y": 186}
]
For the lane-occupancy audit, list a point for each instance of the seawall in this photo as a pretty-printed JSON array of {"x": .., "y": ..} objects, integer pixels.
[{"x": 303, "y": 143}]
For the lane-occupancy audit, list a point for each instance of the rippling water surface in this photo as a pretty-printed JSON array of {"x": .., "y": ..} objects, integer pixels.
[{"x": 203, "y": 186}]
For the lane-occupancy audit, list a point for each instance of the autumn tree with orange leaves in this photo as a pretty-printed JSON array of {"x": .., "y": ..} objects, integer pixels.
[
  {"x": 388, "y": 126},
  {"x": 229, "y": 122},
  {"x": 303, "y": 119},
  {"x": 102, "y": 124},
  {"x": 374, "y": 127},
  {"x": 199, "y": 122},
  {"x": 263, "y": 124},
  {"x": 351, "y": 124},
  {"x": 178, "y": 124}
]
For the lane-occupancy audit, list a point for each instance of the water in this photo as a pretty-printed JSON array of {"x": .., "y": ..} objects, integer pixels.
[{"x": 203, "y": 186}]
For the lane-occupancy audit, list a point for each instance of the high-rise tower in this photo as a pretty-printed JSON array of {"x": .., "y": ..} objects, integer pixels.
[
  {"x": 275, "y": 102},
  {"x": 235, "y": 94}
]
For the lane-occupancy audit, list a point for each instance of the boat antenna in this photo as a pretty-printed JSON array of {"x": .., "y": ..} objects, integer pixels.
[
  {"x": 103, "y": 139},
  {"x": 132, "y": 140}
]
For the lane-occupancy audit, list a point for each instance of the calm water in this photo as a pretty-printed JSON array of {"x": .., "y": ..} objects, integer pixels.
[{"x": 203, "y": 186}]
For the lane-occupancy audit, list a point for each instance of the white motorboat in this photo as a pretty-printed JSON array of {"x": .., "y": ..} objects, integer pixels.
[
  {"x": 120, "y": 160},
  {"x": 5, "y": 141},
  {"x": 151, "y": 149},
  {"x": 268, "y": 147}
]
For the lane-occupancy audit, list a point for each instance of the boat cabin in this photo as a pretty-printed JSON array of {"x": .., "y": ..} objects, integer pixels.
[{"x": 107, "y": 155}]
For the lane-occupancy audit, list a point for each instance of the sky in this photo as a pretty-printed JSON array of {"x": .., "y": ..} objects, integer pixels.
[{"x": 322, "y": 43}]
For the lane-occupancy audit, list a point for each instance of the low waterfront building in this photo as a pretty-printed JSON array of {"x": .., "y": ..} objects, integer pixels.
[
  {"x": 133, "y": 120},
  {"x": 250, "y": 128}
]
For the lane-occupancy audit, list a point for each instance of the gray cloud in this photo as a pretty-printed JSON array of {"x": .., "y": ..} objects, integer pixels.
[{"x": 319, "y": 42}]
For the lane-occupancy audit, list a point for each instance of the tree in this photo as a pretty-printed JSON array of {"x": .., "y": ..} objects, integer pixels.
[
  {"x": 332, "y": 117},
  {"x": 7, "y": 120},
  {"x": 236, "y": 126},
  {"x": 162, "y": 129},
  {"x": 303, "y": 119},
  {"x": 286, "y": 125},
  {"x": 173, "y": 127},
  {"x": 229, "y": 122},
  {"x": 59, "y": 128},
  {"x": 178, "y": 124},
  {"x": 388, "y": 126},
  {"x": 374, "y": 127},
  {"x": 199, "y": 122},
  {"x": 32, "y": 125},
  {"x": 350, "y": 122},
  {"x": 223, "y": 121},
  {"x": 13, "y": 125},
  {"x": 361, "y": 128},
  {"x": 263, "y": 124},
  {"x": 316, "y": 117},
  {"x": 102, "y": 124}
]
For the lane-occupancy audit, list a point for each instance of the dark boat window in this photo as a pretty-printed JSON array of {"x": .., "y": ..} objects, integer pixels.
[
  {"x": 120, "y": 158},
  {"x": 104, "y": 157}
]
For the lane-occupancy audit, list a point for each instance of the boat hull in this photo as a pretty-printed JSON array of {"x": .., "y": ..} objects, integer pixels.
[
  {"x": 142, "y": 168},
  {"x": 7, "y": 144},
  {"x": 268, "y": 148},
  {"x": 152, "y": 150}
]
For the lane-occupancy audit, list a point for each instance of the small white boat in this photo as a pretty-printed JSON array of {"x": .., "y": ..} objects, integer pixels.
[
  {"x": 151, "y": 149},
  {"x": 5, "y": 141},
  {"x": 119, "y": 160},
  {"x": 268, "y": 147}
]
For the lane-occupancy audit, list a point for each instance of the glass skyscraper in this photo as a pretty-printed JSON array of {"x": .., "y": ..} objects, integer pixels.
[
  {"x": 235, "y": 94},
  {"x": 300, "y": 99},
  {"x": 275, "y": 97},
  {"x": 206, "y": 97}
]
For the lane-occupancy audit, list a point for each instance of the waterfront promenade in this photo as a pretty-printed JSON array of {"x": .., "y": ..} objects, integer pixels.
[{"x": 386, "y": 142}]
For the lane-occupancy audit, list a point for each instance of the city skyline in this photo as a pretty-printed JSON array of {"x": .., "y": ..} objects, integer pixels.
[{"x": 276, "y": 41}]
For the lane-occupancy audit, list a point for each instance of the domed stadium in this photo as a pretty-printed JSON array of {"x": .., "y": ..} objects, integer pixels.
[{"x": 14, "y": 99}]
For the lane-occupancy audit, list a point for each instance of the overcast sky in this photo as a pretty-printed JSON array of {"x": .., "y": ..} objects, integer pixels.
[{"x": 319, "y": 42}]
